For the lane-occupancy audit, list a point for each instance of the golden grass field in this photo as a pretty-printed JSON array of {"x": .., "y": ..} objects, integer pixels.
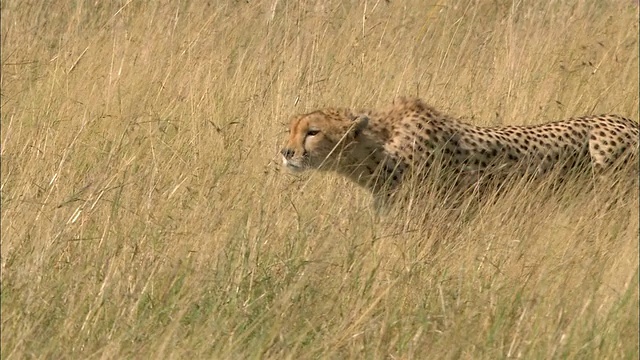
[{"x": 145, "y": 213}]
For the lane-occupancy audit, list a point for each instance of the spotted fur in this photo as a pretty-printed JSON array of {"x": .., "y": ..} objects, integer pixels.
[{"x": 378, "y": 149}]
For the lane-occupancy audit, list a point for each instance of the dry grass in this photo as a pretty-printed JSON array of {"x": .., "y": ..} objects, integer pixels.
[{"x": 144, "y": 214}]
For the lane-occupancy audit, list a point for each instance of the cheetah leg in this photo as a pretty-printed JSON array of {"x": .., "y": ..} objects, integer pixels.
[
  {"x": 621, "y": 177},
  {"x": 382, "y": 203}
]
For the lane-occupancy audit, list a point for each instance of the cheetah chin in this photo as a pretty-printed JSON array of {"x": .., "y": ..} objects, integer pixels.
[{"x": 291, "y": 166}]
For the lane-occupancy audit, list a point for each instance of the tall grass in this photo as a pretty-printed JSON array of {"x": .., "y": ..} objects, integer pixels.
[{"x": 145, "y": 214}]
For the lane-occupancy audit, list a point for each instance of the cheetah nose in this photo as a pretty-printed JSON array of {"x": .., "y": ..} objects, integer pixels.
[{"x": 287, "y": 153}]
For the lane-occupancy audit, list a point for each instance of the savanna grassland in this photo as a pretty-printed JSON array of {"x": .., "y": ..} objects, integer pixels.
[{"x": 145, "y": 213}]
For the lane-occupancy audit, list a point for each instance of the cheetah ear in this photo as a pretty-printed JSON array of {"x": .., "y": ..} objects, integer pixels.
[{"x": 360, "y": 122}]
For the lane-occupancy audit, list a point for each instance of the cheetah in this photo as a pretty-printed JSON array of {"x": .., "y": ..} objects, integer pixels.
[{"x": 378, "y": 149}]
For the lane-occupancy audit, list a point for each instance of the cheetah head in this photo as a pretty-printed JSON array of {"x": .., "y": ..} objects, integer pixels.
[{"x": 318, "y": 139}]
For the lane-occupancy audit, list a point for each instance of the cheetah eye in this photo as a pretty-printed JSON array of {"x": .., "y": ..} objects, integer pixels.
[{"x": 313, "y": 132}]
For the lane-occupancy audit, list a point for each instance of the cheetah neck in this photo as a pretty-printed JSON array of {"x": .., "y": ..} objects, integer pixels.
[{"x": 367, "y": 163}]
